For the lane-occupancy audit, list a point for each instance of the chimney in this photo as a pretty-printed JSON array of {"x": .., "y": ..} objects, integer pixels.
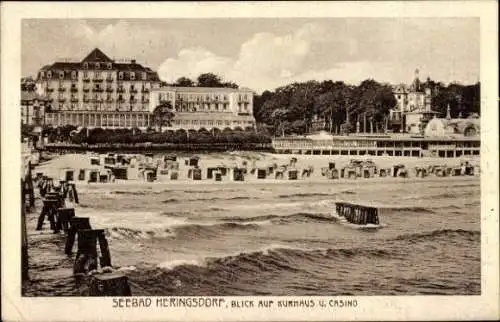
[{"x": 132, "y": 61}]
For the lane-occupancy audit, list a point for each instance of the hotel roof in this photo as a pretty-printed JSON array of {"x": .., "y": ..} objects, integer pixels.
[{"x": 91, "y": 61}]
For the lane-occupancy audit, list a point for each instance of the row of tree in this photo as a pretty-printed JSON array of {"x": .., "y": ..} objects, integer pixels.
[
  {"x": 203, "y": 80},
  {"x": 336, "y": 106},
  {"x": 296, "y": 107},
  {"x": 463, "y": 100},
  {"x": 131, "y": 136}
]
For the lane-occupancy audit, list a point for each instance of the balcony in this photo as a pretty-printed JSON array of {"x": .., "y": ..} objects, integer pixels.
[
  {"x": 145, "y": 90},
  {"x": 74, "y": 89},
  {"x": 86, "y": 89},
  {"x": 74, "y": 100},
  {"x": 61, "y": 89},
  {"x": 49, "y": 90},
  {"x": 86, "y": 79},
  {"x": 98, "y": 79},
  {"x": 97, "y": 90},
  {"x": 133, "y": 101},
  {"x": 120, "y": 100},
  {"x": 61, "y": 99},
  {"x": 109, "y": 79},
  {"x": 109, "y": 89},
  {"x": 145, "y": 100},
  {"x": 133, "y": 90},
  {"x": 120, "y": 90},
  {"x": 109, "y": 99}
]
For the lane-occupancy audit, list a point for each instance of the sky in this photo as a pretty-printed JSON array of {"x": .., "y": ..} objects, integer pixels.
[{"x": 266, "y": 53}]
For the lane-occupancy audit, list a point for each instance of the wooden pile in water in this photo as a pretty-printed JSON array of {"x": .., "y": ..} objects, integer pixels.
[{"x": 357, "y": 214}]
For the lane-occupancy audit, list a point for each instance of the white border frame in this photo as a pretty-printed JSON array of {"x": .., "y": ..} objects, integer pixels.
[{"x": 16, "y": 308}]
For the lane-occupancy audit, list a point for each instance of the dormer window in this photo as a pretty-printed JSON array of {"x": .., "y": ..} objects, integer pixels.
[
  {"x": 86, "y": 65},
  {"x": 42, "y": 74},
  {"x": 97, "y": 66},
  {"x": 73, "y": 74},
  {"x": 49, "y": 74},
  {"x": 132, "y": 75},
  {"x": 120, "y": 75},
  {"x": 109, "y": 65},
  {"x": 61, "y": 75}
]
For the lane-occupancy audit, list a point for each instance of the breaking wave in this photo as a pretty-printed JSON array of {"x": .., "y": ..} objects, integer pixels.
[
  {"x": 292, "y": 218},
  {"x": 173, "y": 200},
  {"x": 448, "y": 234},
  {"x": 407, "y": 209}
]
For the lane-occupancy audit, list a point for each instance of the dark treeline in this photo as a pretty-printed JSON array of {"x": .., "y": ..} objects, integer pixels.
[
  {"x": 69, "y": 133},
  {"x": 293, "y": 109},
  {"x": 464, "y": 100},
  {"x": 203, "y": 80},
  {"x": 28, "y": 84}
]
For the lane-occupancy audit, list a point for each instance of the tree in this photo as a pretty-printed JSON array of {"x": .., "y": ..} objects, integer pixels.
[
  {"x": 209, "y": 80},
  {"x": 28, "y": 84},
  {"x": 332, "y": 104},
  {"x": 163, "y": 115},
  {"x": 230, "y": 85},
  {"x": 279, "y": 116},
  {"x": 184, "y": 82}
]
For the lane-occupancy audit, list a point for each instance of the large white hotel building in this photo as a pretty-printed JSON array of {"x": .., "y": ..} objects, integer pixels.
[
  {"x": 207, "y": 107},
  {"x": 100, "y": 92}
]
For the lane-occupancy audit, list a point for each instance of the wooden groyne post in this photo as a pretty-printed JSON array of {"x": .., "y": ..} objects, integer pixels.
[
  {"x": 357, "y": 214},
  {"x": 49, "y": 209},
  {"x": 88, "y": 239},
  {"x": 109, "y": 284},
  {"x": 76, "y": 224},
  {"x": 64, "y": 216}
]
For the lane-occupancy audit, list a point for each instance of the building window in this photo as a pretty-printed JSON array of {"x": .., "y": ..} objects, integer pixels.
[
  {"x": 144, "y": 75},
  {"x": 73, "y": 74},
  {"x": 42, "y": 74},
  {"x": 120, "y": 75},
  {"x": 49, "y": 74},
  {"x": 97, "y": 66},
  {"x": 85, "y": 75},
  {"x": 85, "y": 65},
  {"x": 132, "y": 75},
  {"x": 61, "y": 75},
  {"x": 97, "y": 74},
  {"x": 109, "y": 65}
]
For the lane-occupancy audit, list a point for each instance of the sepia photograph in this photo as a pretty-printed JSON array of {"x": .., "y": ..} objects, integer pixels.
[{"x": 289, "y": 162}]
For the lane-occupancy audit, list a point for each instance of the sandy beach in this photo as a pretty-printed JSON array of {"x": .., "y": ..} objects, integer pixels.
[{"x": 53, "y": 167}]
